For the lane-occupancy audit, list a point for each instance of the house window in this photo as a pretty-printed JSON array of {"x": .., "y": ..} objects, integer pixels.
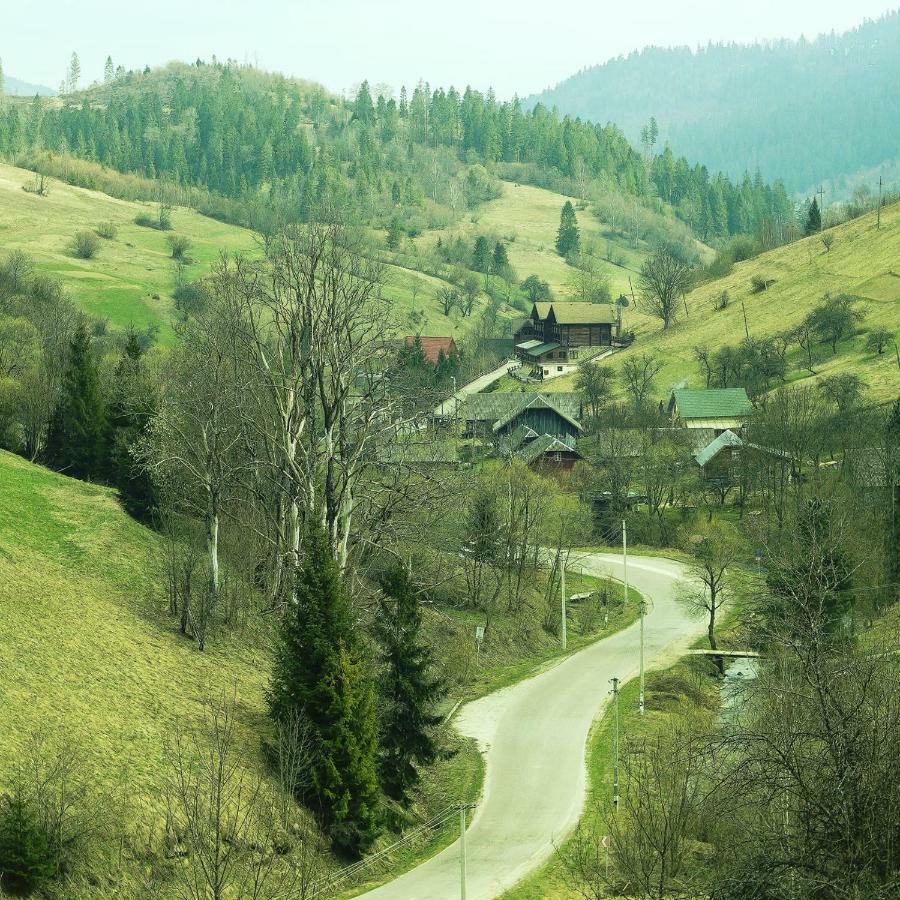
[
  {"x": 559, "y": 368},
  {"x": 573, "y": 354}
]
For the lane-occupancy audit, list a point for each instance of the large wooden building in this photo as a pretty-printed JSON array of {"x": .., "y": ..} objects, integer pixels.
[{"x": 571, "y": 324}]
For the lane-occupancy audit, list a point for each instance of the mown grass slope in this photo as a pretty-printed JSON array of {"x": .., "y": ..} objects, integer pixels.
[
  {"x": 131, "y": 280},
  {"x": 863, "y": 261},
  {"x": 527, "y": 218},
  {"x": 87, "y": 652}
]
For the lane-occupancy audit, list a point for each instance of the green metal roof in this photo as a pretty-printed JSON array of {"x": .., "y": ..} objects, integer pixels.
[
  {"x": 713, "y": 448},
  {"x": 541, "y": 349},
  {"x": 712, "y": 403}
]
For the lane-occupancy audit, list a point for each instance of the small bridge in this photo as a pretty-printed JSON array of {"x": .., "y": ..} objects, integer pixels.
[{"x": 728, "y": 654}]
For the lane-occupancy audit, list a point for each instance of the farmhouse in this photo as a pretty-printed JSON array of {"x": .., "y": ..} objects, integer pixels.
[
  {"x": 550, "y": 339},
  {"x": 718, "y": 409},
  {"x": 433, "y": 347},
  {"x": 500, "y": 414}
]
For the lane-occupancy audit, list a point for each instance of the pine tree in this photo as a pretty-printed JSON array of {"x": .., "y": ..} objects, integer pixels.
[
  {"x": 319, "y": 676},
  {"x": 407, "y": 689},
  {"x": 108, "y": 70},
  {"x": 2, "y": 84},
  {"x": 394, "y": 233},
  {"x": 74, "y": 73},
  {"x": 501, "y": 259},
  {"x": 813, "y": 219},
  {"x": 481, "y": 255},
  {"x": 567, "y": 236},
  {"x": 130, "y": 411},
  {"x": 77, "y": 442}
]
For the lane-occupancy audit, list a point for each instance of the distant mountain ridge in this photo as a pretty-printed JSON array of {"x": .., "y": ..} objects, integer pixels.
[
  {"x": 807, "y": 112},
  {"x": 16, "y": 88}
]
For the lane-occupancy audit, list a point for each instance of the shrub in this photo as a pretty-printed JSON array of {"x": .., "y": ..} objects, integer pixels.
[
  {"x": 162, "y": 221},
  {"x": 760, "y": 283},
  {"x": 85, "y": 244},
  {"x": 190, "y": 297},
  {"x": 180, "y": 245},
  {"x": 721, "y": 300},
  {"x": 107, "y": 230}
]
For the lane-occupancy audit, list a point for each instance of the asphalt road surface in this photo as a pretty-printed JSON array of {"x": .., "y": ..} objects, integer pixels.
[{"x": 534, "y": 734}]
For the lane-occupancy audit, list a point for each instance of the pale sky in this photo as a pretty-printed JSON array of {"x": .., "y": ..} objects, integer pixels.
[{"x": 515, "y": 46}]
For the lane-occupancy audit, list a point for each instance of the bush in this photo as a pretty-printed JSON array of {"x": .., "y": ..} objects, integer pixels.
[
  {"x": 107, "y": 230},
  {"x": 190, "y": 297},
  {"x": 721, "y": 300},
  {"x": 760, "y": 283},
  {"x": 162, "y": 221},
  {"x": 85, "y": 245},
  {"x": 180, "y": 245}
]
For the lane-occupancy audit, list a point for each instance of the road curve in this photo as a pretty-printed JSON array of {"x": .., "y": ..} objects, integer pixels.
[{"x": 533, "y": 735}]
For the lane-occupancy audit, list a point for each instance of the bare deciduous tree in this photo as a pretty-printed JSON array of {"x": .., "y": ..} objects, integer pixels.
[{"x": 664, "y": 277}]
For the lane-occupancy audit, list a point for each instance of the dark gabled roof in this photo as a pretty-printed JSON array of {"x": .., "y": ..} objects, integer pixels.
[
  {"x": 546, "y": 443},
  {"x": 715, "y": 447},
  {"x": 711, "y": 403},
  {"x": 541, "y": 309},
  {"x": 582, "y": 313},
  {"x": 536, "y": 401},
  {"x": 498, "y": 404}
]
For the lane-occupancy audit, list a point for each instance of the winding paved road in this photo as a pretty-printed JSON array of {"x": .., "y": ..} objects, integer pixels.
[{"x": 534, "y": 734}]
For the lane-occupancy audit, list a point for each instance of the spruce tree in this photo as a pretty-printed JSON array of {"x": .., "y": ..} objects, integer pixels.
[
  {"x": 319, "y": 675},
  {"x": 813, "y": 219},
  {"x": 567, "y": 236},
  {"x": 481, "y": 255},
  {"x": 78, "y": 438},
  {"x": 501, "y": 260},
  {"x": 407, "y": 688},
  {"x": 130, "y": 411}
]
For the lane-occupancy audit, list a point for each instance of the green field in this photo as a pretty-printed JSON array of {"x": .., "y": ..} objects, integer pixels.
[
  {"x": 86, "y": 648},
  {"x": 130, "y": 281},
  {"x": 863, "y": 261},
  {"x": 527, "y": 218}
]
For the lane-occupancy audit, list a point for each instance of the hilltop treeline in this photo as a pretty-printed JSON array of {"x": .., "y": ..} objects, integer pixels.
[
  {"x": 788, "y": 106},
  {"x": 240, "y": 133}
]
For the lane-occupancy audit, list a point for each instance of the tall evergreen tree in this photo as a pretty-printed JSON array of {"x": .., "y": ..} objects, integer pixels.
[
  {"x": 74, "y": 73},
  {"x": 501, "y": 259},
  {"x": 320, "y": 676},
  {"x": 481, "y": 255},
  {"x": 407, "y": 688},
  {"x": 108, "y": 70},
  {"x": 813, "y": 218},
  {"x": 567, "y": 237},
  {"x": 130, "y": 410},
  {"x": 77, "y": 442}
]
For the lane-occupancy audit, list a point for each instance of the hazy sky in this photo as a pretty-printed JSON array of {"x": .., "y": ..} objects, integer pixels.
[{"x": 516, "y": 46}]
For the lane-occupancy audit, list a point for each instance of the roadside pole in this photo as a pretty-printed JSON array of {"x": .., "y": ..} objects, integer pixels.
[
  {"x": 615, "y": 693},
  {"x": 462, "y": 852},
  {"x": 562, "y": 600}
]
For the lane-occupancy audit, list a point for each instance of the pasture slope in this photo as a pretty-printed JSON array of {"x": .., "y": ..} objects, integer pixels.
[{"x": 863, "y": 261}]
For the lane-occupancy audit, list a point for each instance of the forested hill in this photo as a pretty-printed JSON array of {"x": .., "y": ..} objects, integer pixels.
[
  {"x": 263, "y": 146},
  {"x": 16, "y": 88},
  {"x": 807, "y": 112}
]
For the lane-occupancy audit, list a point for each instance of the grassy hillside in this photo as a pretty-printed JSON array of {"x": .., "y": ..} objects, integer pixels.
[
  {"x": 528, "y": 218},
  {"x": 863, "y": 261},
  {"x": 130, "y": 281},
  {"x": 86, "y": 650}
]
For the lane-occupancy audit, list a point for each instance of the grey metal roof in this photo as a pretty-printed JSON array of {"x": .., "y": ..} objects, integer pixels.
[
  {"x": 546, "y": 443},
  {"x": 499, "y": 404}
]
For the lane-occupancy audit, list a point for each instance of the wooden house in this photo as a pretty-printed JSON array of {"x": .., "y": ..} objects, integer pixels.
[
  {"x": 571, "y": 324},
  {"x": 717, "y": 409},
  {"x": 498, "y": 414}
]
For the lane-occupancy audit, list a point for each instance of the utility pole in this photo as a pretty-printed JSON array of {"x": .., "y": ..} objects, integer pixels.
[
  {"x": 878, "y": 220},
  {"x": 821, "y": 193},
  {"x": 462, "y": 851},
  {"x": 562, "y": 600},
  {"x": 615, "y": 693}
]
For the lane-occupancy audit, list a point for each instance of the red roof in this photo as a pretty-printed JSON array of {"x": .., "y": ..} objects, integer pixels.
[{"x": 432, "y": 346}]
